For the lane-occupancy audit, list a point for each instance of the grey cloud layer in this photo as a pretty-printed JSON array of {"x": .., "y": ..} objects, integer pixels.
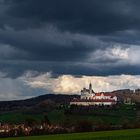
[
  {"x": 73, "y": 39},
  {"x": 70, "y": 37},
  {"x": 93, "y": 16}
]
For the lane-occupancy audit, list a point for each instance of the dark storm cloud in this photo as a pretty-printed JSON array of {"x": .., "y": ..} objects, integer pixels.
[
  {"x": 62, "y": 36},
  {"x": 46, "y": 46},
  {"x": 17, "y": 68},
  {"x": 96, "y": 16},
  {"x": 126, "y": 37}
]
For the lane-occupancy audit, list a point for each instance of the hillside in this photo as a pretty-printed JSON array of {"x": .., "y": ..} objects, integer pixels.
[
  {"x": 61, "y": 99},
  {"x": 18, "y": 104}
]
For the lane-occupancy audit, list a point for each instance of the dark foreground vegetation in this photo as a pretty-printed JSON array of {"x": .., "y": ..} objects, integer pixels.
[{"x": 47, "y": 118}]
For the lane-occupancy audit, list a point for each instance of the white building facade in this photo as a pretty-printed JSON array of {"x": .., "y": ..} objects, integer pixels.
[{"x": 89, "y": 97}]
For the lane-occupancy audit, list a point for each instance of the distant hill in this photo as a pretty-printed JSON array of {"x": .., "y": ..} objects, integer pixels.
[
  {"x": 61, "y": 99},
  {"x": 18, "y": 104}
]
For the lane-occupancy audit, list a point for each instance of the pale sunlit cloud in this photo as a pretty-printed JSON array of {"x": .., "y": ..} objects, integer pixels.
[{"x": 68, "y": 84}]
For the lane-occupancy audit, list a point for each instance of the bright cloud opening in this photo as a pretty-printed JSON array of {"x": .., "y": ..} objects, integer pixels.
[{"x": 68, "y": 84}]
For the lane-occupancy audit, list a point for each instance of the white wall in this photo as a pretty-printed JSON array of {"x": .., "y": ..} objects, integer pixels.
[{"x": 92, "y": 103}]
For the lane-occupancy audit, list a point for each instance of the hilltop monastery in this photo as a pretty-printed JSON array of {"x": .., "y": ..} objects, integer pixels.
[{"x": 89, "y": 97}]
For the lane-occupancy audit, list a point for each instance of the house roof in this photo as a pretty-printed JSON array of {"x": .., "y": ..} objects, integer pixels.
[{"x": 105, "y": 94}]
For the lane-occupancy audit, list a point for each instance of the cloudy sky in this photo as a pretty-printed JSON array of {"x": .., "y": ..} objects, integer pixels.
[{"x": 59, "y": 46}]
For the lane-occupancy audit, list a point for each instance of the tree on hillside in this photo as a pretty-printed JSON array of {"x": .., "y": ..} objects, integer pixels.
[{"x": 83, "y": 126}]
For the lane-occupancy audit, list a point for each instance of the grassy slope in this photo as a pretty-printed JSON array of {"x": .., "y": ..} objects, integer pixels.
[
  {"x": 18, "y": 117},
  {"x": 57, "y": 116},
  {"x": 133, "y": 134}
]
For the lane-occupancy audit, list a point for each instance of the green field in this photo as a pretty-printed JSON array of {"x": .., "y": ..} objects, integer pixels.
[
  {"x": 17, "y": 117},
  {"x": 115, "y": 117},
  {"x": 57, "y": 116},
  {"x": 131, "y": 134}
]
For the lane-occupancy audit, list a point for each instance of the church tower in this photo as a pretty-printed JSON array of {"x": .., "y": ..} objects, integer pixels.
[{"x": 90, "y": 88}]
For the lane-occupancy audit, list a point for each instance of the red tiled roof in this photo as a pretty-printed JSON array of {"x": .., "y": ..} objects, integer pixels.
[
  {"x": 105, "y": 94},
  {"x": 98, "y": 94}
]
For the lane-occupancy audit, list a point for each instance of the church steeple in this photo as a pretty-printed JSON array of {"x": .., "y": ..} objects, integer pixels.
[{"x": 90, "y": 87}]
